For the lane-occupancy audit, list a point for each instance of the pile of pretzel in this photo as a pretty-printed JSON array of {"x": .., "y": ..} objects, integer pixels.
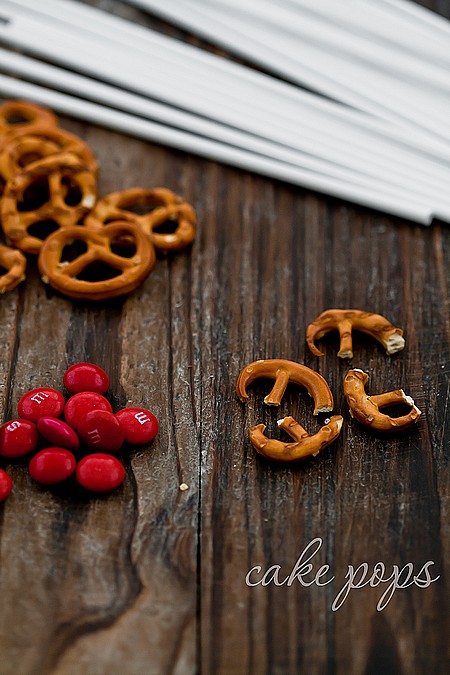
[{"x": 86, "y": 248}]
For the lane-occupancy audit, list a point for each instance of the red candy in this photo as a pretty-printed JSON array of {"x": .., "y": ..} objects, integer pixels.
[
  {"x": 86, "y": 377},
  {"x": 80, "y": 404},
  {"x": 100, "y": 472},
  {"x": 58, "y": 433},
  {"x": 17, "y": 438},
  {"x": 5, "y": 485},
  {"x": 41, "y": 402},
  {"x": 139, "y": 425},
  {"x": 52, "y": 465},
  {"x": 100, "y": 430}
]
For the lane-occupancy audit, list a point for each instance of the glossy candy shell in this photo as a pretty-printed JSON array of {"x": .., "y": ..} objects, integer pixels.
[
  {"x": 18, "y": 438},
  {"x": 5, "y": 485},
  {"x": 139, "y": 425},
  {"x": 80, "y": 404},
  {"x": 101, "y": 430},
  {"x": 52, "y": 465},
  {"x": 58, "y": 433},
  {"x": 41, "y": 402},
  {"x": 86, "y": 377},
  {"x": 100, "y": 472}
]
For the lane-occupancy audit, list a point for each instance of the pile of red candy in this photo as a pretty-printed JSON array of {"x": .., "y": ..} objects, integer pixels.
[{"x": 89, "y": 420}]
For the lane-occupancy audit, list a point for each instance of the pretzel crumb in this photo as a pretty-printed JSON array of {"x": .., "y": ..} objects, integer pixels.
[
  {"x": 410, "y": 401},
  {"x": 395, "y": 343},
  {"x": 323, "y": 409}
]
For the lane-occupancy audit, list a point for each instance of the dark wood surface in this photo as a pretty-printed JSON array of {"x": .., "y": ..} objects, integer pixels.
[{"x": 151, "y": 579}]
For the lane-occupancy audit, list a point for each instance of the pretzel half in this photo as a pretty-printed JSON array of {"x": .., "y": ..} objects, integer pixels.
[
  {"x": 158, "y": 205},
  {"x": 15, "y": 263},
  {"x": 303, "y": 444},
  {"x": 59, "y": 173},
  {"x": 345, "y": 320},
  {"x": 283, "y": 372},
  {"x": 366, "y": 409},
  {"x": 23, "y": 114},
  {"x": 62, "y": 275}
]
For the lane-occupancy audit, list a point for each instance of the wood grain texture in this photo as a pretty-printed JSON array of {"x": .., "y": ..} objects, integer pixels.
[{"x": 151, "y": 579}]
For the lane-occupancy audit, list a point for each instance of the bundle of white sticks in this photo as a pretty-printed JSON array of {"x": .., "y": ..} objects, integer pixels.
[{"x": 372, "y": 126}]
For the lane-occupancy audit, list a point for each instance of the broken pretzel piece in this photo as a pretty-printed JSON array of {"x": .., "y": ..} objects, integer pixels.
[
  {"x": 344, "y": 320},
  {"x": 303, "y": 446},
  {"x": 283, "y": 372},
  {"x": 366, "y": 409}
]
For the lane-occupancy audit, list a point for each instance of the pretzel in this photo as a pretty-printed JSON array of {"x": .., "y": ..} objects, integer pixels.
[
  {"x": 303, "y": 446},
  {"x": 22, "y": 114},
  {"x": 162, "y": 204},
  {"x": 18, "y": 155},
  {"x": 15, "y": 263},
  {"x": 58, "y": 173},
  {"x": 283, "y": 372},
  {"x": 344, "y": 320},
  {"x": 62, "y": 275},
  {"x": 63, "y": 141},
  {"x": 366, "y": 409}
]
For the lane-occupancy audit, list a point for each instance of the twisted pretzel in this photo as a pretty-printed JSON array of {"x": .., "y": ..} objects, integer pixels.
[
  {"x": 283, "y": 372},
  {"x": 58, "y": 171},
  {"x": 366, "y": 409},
  {"x": 62, "y": 140},
  {"x": 22, "y": 114},
  {"x": 303, "y": 446},
  {"x": 15, "y": 263},
  {"x": 18, "y": 155},
  {"x": 344, "y": 320},
  {"x": 162, "y": 205},
  {"x": 62, "y": 275}
]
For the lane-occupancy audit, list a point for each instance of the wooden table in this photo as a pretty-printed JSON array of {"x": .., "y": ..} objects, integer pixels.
[{"x": 152, "y": 579}]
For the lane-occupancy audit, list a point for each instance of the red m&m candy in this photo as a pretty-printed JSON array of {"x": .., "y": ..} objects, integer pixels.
[
  {"x": 41, "y": 402},
  {"x": 100, "y": 430},
  {"x": 139, "y": 425},
  {"x": 52, "y": 465},
  {"x": 80, "y": 404},
  {"x": 5, "y": 485},
  {"x": 100, "y": 472},
  {"x": 86, "y": 377},
  {"x": 58, "y": 433},
  {"x": 17, "y": 438}
]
